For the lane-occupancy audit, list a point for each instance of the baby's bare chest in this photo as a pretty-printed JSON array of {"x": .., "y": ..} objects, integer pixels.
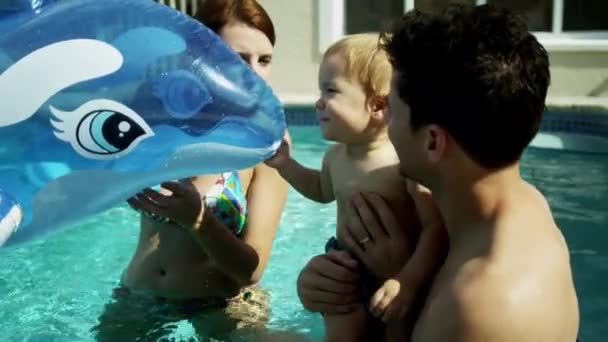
[{"x": 353, "y": 177}]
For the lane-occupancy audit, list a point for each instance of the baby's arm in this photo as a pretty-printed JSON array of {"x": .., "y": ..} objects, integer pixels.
[
  {"x": 308, "y": 182},
  {"x": 396, "y": 295},
  {"x": 312, "y": 184},
  {"x": 432, "y": 246}
]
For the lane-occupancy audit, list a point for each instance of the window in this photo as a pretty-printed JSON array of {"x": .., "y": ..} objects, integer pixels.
[
  {"x": 187, "y": 6},
  {"x": 371, "y": 15},
  {"x": 538, "y": 12},
  {"x": 585, "y": 15},
  {"x": 559, "y": 24},
  {"x": 438, "y": 5}
]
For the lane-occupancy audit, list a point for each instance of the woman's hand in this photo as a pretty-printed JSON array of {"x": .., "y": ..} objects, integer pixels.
[
  {"x": 329, "y": 284},
  {"x": 374, "y": 234},
  {"x": 183, "y": 205}
]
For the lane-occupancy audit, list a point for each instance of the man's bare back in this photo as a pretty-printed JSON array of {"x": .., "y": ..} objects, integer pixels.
[{"x": 502, "y": 275}]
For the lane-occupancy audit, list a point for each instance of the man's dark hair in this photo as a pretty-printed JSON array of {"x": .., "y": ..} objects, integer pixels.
[{"x": 475, "y": 71}]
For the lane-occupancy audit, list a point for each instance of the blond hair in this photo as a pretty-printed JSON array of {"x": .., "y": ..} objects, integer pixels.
[{"x": 366, "y": 63}]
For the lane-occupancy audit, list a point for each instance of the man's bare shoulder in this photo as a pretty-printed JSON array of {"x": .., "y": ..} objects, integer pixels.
[
  {"x": 474, "y": 306},
  {"x": 514, "y": 284}
]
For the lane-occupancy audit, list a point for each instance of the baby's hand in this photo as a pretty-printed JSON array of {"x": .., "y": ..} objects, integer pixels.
[
  {"x": 391, "y": 301},
  {"x": 282, "y": 155}
]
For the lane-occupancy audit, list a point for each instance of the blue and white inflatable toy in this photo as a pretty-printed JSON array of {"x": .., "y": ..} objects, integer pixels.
[
  {"x": 100, "y": 99},
  {"x": 10, "y": 215}
]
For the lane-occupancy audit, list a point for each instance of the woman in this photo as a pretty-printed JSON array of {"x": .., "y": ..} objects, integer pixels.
[{"x": 200, "y": 254}]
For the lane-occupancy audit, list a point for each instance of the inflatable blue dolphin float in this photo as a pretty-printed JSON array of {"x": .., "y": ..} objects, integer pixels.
[{"x": 100, "y": 99}]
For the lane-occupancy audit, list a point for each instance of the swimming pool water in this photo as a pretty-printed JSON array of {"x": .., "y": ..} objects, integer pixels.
[{"x": 54, "y": 289}]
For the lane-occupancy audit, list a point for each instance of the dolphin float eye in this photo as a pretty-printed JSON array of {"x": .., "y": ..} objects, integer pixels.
[
  {"x": 101, "y": 129},
  {"x": 183, "y": 95},
  {"x": 107, "y": 132}
]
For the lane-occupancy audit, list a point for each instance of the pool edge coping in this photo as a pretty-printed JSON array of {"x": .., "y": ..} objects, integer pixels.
[{"x": 572, "y": 104}]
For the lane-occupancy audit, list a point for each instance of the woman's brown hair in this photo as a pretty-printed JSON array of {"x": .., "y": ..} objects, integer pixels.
[{"x": 215, "y": 14}]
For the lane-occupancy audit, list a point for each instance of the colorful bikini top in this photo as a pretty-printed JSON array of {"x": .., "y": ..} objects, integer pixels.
[{"x": 228, "y": 202}]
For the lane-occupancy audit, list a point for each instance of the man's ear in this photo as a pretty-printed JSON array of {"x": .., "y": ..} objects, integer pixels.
[{"x": 436, "y": 142}]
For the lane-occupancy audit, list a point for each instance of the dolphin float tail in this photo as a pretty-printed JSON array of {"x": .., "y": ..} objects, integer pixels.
[{"x": 11, "y": 216}]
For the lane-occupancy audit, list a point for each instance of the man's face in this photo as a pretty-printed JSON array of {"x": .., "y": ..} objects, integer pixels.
[{"x": 407, "y": 143}]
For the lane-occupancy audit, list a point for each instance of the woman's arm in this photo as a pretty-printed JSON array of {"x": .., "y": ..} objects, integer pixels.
[
  {"x": 244, "y": 260},
  {"x": 266, "y": 197}
]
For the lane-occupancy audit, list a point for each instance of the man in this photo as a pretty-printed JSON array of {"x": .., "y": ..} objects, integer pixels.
[{"x": 467, "y": 95}]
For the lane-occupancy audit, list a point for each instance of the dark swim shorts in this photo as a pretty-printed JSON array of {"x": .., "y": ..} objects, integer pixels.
[{"x": 370, "y": 283}]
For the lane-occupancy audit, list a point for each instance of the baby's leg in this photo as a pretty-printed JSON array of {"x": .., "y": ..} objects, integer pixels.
[
  {"x": 401, "y": 330},
  {"x": 353, "y": 326}
]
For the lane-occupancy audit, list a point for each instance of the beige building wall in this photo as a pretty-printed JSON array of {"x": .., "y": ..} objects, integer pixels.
[
  {"x": 579, "y": 73},
  {"x": 296, "y": 61}
]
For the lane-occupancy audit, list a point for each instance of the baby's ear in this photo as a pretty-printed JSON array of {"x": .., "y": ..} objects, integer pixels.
[
  {"x": 378, "y": 106},
  {"x": 379, "y": 102}
]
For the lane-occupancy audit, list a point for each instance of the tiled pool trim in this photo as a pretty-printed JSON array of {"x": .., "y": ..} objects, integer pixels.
[
  {"x": 555, "y": 120},
  {"x": 595, "y": 124}
]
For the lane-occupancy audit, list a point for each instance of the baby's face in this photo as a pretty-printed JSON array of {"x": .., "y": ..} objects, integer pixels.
[{"x": 342, "y": 108}]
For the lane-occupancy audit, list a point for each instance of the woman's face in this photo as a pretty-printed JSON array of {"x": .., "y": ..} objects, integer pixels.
[{"x": 252, "y": 44}]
